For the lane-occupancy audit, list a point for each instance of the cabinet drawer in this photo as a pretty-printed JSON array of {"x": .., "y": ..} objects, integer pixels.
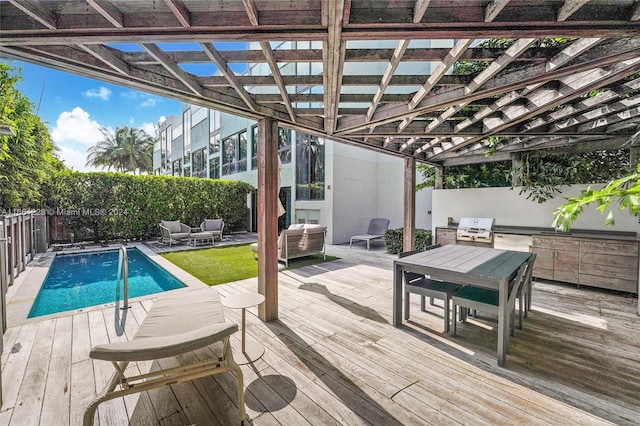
[
  {"x": 622, "y": 248},
  {"x": 605, "y": 271},
  {"x": 560, "y": 243},
  {"x": 609, "y": 259}
]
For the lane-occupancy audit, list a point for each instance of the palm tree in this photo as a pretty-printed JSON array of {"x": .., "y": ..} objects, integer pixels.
[{"x": 129, "y": 150}]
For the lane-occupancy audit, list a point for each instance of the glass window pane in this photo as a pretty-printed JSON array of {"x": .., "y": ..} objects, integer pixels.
[
  {"x": 254, "y": 147},
  {"x": 214, "y": 144},
  {"x": 214, "y": 168},
  {"x": 242, "y": 151}
]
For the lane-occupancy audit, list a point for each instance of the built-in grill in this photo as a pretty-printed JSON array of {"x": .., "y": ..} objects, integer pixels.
[{"x": 477, "y": 231}]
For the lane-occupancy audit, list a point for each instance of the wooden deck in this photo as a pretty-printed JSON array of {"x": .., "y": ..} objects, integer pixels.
[{"x": 333, "y": 358}]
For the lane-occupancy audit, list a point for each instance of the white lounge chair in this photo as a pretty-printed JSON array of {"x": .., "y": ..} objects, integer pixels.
[
  {"x": 177, "y": 323},
  {"x": 377, "y": 229}
]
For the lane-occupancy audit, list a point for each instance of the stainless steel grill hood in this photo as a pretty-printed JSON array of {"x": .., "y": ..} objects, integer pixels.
[{"x": 476, "y": 229}]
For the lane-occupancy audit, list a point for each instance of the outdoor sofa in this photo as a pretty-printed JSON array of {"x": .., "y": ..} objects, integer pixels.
[{"x": 299, "y": 240}]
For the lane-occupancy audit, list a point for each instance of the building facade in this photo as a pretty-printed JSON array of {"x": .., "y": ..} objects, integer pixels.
[{"x": 322, "y": 181}]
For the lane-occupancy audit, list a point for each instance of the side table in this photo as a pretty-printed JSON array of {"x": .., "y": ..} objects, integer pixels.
[{"x": 251, "y": 350}]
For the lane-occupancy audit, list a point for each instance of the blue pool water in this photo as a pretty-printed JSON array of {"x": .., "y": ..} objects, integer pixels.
[{"x": 77, "y": 281}]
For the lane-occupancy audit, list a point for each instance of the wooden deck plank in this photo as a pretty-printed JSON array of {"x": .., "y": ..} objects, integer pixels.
[
  {"x": 113, "y": 411},
  {"x": 56, "y": 402},
  {"x": 16, "y": 364},
  {"x": 29, "y": 402},
  {"x": 332, "y": 357}
]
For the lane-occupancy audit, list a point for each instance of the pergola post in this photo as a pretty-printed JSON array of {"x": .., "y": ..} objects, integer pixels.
[
  {"x": 268, "y": 218},
  {"x": 409, "y": 234},
  {"x": 439, "y": 183},
  {"x": 516, "y": 163},
  {"x": 634, "y": 155}
]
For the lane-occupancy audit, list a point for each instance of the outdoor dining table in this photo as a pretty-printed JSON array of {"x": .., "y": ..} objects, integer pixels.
[{"x": 466, "y": 265}]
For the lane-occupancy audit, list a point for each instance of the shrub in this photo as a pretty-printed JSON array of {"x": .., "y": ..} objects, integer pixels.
[
  {"x": 103, "y": 206},
  {"x": 393, "y": 239}
]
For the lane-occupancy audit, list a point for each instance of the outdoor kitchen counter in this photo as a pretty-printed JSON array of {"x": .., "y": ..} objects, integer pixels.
[
  {"x": 603, "y": 259},
  {"x": 577, "y": 233}
]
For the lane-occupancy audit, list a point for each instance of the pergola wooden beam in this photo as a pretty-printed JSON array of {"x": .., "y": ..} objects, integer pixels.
[
  {"x": 577, "y": 85},
  {"x": 498, "y": 65},
  {"x": 603, "y": 54},
  {"x": 267, "y": 51},
  {"x": 566, "y": 55},
  {"x": 164, "y": 60},
  {"x": 215, "y": 57},
  {"x": 109, "y": 11},
  {"x": 180, "y": 11},
  {"x": 334, "y": 47},
  {"x": 36, "y": 11},
  {"x": 90, "y": 38},
  {"x": 107, "y": 57}
]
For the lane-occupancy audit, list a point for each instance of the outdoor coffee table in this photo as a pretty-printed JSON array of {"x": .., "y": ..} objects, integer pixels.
[
  {"x": 250, "y": 350},
  {"x": 204, "y": 236}
]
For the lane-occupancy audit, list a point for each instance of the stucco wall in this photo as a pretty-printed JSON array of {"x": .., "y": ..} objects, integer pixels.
[
  {"x": 365, "y": 185},
  {"x": 511, "y": 209}
]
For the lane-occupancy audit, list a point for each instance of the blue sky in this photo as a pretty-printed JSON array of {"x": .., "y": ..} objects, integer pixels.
[{"x": 74, "y": 107}]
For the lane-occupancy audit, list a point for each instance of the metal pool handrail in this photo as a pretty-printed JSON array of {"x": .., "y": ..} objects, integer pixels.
[{"x": 123, "y": 270}]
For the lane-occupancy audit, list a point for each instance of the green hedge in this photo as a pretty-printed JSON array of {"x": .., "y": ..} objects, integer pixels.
[
  {"x": 104, "y": 206},
  {"x": 393, "y": 239}
]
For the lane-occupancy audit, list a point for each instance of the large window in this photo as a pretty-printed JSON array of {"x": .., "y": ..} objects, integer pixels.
[
  {"x": 199, "y": 168},
  {"x": 242, "y": 151},
  {"x": 309, "y": 167},
  {"x": 214, "y": 144},
  {"x": 254, "y": 147},
  {"x": 234, "y": 153},
  {"x": 284, "y": 146},
  {"x": 177, "y": 168},
  {"x": 165, "y": 148},
  {"x": 186, "y": 137},
  {"x": 214, "y": 168}
]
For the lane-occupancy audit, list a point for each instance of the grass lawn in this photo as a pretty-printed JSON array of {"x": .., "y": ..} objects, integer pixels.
[{"x": 226, "y": 264}]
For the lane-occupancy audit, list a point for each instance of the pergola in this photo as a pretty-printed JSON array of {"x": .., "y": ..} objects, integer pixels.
[{"x": 582, "y": 94}]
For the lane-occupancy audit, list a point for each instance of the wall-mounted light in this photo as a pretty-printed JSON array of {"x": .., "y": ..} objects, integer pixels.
[{"x": 6, "y": 130}]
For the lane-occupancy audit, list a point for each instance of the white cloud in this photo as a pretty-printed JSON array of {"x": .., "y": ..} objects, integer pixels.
[
  {"x": 130, "y": 94},
  {"x": 74, "y": 158},
  {"x": 101, "y": 93},
  {"x": 149, "y": 103},
  {"x": 76, "y": 127},
  {"x": 149, "y": 128}
]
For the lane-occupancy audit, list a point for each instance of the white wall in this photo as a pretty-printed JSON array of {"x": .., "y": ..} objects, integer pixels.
[
  {"x": 511, "y": 209},
  {"x": 364, "y": 185}
]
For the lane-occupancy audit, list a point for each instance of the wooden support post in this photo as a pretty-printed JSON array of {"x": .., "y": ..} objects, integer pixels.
[
  {"x": 409, "y": 234},
  {"x": 268, "y": 218},
  {"x": 12, "y": 252},
  {"x": 516, "y": 163},
  {"x": 23, "y": 246},
  {"x": 439, "y": 184}
]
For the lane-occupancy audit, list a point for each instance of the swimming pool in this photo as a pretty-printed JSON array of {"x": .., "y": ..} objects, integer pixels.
[{"x": 81, "y": 280}]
